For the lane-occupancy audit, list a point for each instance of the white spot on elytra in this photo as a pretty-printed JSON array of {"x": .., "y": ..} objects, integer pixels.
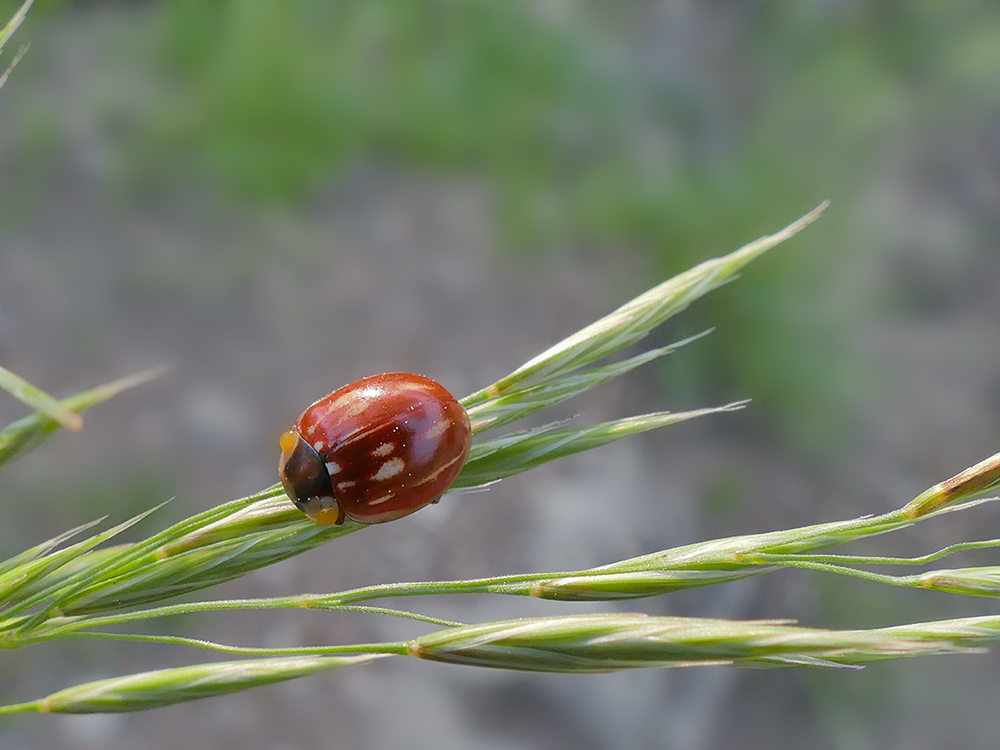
[
  {"x": 438, "y": 429},
  {"x": 389, "y": 469},
  {"x": 356, "y": 408},
  {"x": 332, "y": 467},
  {"x": 345, "y": 485},
  {"x": 320, "y": 446},
  {"x": 384, "y": 450},
  {"x": 353, "y": 404},
  {"x": 434, "y": 475},
  {"x": 379, "y": 500}
]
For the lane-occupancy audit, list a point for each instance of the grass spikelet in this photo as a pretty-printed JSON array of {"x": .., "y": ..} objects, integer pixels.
[{"x": 167, "y": 687}]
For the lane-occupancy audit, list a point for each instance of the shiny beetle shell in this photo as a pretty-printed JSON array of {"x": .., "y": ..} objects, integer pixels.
[{"x": 375, "y": 450}]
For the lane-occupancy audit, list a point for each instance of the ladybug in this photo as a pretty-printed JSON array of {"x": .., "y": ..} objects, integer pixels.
[{"x": 375, "y": 450}]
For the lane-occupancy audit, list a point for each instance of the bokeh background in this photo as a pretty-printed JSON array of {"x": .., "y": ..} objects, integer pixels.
[{"x": 278, "y": 198}]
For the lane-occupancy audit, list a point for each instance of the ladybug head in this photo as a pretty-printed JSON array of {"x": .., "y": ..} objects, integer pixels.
[{"x": 306, "y": 480}]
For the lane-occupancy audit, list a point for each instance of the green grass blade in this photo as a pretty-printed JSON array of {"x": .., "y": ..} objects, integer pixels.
[
  {"x": 152, "y": 576},
  {"x": 607, "y": 642},
  {"x": 167, "y": 687},
  {"x": 14, "y": 23},
  {"x": 969, "y": 483},
  {"x": 39, "y": 400},
  {"x": 490, "y": 460},
  {"x": 40, "y": 550},
  {"x": 522, "y": 403},
  {"x": 13, "y": 64},
  {"x": 47, "y": 580},
  {"x": 633, "y": 320},
  {"x": 28, "y": 433}
]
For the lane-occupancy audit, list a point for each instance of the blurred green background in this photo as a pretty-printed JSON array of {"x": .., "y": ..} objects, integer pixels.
[{"x": 281, "y": 197}]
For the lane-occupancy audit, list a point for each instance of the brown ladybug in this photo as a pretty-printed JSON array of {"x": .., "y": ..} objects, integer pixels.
[{"x": 375, "y": 450}]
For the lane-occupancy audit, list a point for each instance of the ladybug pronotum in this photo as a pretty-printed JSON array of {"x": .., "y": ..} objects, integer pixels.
[{"x": 375, "y": 450}]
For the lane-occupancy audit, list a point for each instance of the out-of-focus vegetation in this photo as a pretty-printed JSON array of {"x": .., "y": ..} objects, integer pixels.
[{"x": 664, "y": 129}]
